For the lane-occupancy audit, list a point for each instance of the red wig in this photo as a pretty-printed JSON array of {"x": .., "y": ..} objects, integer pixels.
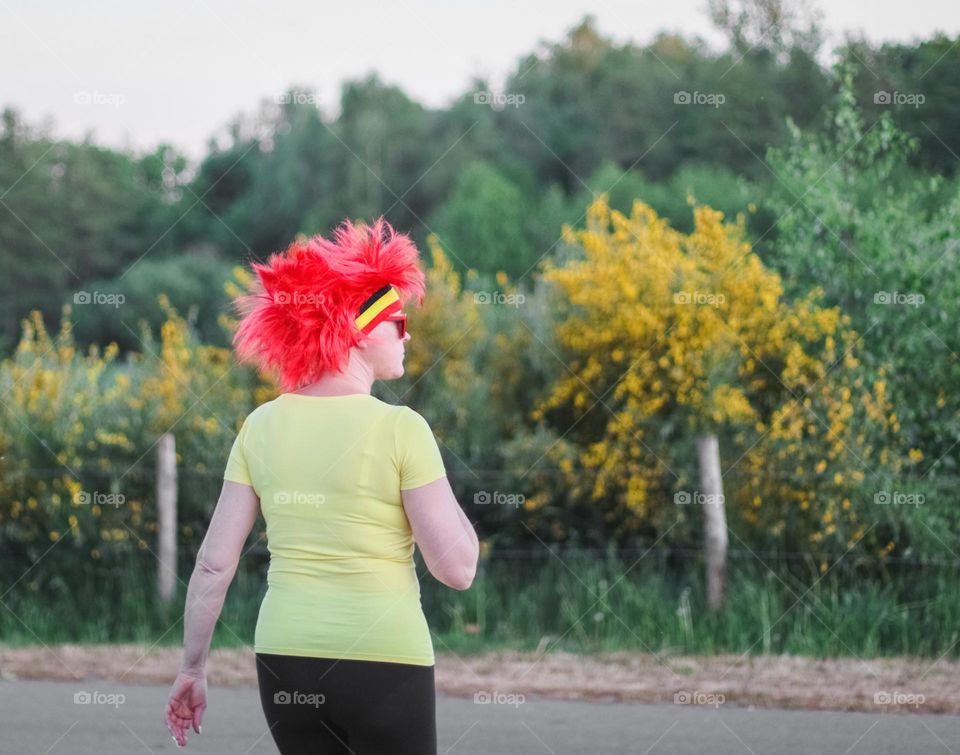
[{"x": 299, "y": 317}]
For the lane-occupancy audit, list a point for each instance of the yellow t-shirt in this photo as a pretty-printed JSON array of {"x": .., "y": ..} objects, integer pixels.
[{"x": 328, "y": 471}]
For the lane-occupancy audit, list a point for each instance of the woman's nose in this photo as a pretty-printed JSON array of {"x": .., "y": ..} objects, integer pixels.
[{"x": 406, "y": 336}]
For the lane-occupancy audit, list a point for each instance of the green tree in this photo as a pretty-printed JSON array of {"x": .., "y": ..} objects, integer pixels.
[
  {"x": 69, "y": 213},
  {"x": 919, "y": 85},
  {"x": 856, "y": 221},
  {"x": 484, "y": 223},
  {"x": 192, "y": 283}
]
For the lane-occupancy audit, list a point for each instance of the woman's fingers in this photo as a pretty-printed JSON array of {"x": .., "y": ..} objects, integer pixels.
[
  {"x": 172, "y": 723},
  {"x": 176, "y": 728},
  {"x": 178, "y": 735},
  {"x": 182, "y": 713},
  {"x": 188, "y": 701}
]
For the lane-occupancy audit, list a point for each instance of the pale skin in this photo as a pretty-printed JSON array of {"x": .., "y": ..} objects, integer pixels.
[{"x": 441, "y": 530}]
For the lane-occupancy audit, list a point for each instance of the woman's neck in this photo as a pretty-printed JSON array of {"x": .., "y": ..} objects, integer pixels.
[{"x": 334, "y": 386}]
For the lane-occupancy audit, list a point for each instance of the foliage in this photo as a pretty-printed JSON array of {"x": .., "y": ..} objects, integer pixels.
[
  {"x": 669, "y": 336},
  {"x": 483, "y": 224},
  {"x": 854, "y": 220},
  {"x": 192, "y": 283},
  {"x": 581, "y": 390},
  {"x": 79, "y": 433},
  {"x": 918, "y": 85},
  {"x": 69, "y": 213}
]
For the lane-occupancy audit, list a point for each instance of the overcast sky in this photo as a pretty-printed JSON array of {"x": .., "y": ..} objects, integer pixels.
[{"x": 139, "y": 73}]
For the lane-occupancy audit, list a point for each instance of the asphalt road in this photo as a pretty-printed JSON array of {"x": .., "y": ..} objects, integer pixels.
[{"x": 43, "y": 717}]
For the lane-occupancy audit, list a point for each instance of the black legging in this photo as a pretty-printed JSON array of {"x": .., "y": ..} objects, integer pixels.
[{"x": 324, "y": 705}]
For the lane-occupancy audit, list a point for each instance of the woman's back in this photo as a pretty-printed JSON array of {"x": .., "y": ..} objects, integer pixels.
[{"x": 328, "y": 471}]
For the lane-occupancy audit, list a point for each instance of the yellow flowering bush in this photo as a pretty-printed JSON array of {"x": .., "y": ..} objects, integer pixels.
[
  {"x": 812, "y": 477},
  {"x": 61, "y": 441},
  {"x": 441, "y": 379},
  {"x": 79, "y": 431},
  {"x": 442, "y": 333},
  {"x": 668, "y": 336}
]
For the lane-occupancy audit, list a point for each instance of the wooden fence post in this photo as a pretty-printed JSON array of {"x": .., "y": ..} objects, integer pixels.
[
  {"x": 167, "y": 515},
  {"x": 714, "y": 519}
]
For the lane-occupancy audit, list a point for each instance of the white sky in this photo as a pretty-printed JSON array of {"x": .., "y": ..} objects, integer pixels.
[{"x": 180, "y": 70}]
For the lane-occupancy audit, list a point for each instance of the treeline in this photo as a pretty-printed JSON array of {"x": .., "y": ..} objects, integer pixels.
[{"x": 495, "y": 175}]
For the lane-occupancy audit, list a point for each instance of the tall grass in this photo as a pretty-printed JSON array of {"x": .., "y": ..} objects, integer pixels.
[{"x": 574, "y": 601}]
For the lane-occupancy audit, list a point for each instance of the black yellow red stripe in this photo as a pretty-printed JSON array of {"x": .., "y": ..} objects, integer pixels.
[{"x": 377, "y": 308}]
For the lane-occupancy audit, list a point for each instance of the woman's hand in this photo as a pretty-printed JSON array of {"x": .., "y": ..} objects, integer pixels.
[{"x": 188, "y": 700}]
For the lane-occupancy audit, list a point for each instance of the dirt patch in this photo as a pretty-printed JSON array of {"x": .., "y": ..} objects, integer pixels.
[{"x": 900, "y": 684}]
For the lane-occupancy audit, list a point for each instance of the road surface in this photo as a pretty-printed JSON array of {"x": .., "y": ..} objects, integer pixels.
[{"x": 50, "y": 718}]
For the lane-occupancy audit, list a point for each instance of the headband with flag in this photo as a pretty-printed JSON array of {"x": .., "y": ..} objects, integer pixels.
[
  {"x": 379, "y": 307},
  {"x": 309, "y": 305}
]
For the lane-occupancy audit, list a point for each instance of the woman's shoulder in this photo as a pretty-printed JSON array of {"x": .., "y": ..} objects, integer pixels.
[{"x": 378, "y": 408}]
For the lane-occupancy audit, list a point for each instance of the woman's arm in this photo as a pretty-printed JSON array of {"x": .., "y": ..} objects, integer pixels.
[
  {"x": 233, "y": 519},
  {"x": 217, "y": 561},
  {"x": 468, "y": 528},
  {"x": 443, "y": 533}
]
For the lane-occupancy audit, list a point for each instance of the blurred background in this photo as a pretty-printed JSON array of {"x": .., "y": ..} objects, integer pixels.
[{"x": 690, "y": 344}]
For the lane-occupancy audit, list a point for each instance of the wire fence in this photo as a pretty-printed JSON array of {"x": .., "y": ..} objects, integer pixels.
[
  {"x": 732, "y": 553},
  {"x": 206, "y": 482},
  {"x": 461, "y": 472},
  {"x": 660, "y": 553}
]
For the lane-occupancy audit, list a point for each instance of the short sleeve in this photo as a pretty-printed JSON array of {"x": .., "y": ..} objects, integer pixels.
[
  {"x": 418, "y": 455},
  {"x": 237, "y": 470}
]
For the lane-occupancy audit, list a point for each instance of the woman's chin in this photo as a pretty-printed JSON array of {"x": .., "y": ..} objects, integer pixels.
[{"x": 397, "y": 372}]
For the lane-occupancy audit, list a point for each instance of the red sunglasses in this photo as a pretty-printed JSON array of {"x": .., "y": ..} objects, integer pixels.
[{"x": 401, "y": 321}]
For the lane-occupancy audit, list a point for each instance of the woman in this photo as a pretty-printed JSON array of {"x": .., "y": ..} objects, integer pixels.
[{"x": 346, "y": 484}]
